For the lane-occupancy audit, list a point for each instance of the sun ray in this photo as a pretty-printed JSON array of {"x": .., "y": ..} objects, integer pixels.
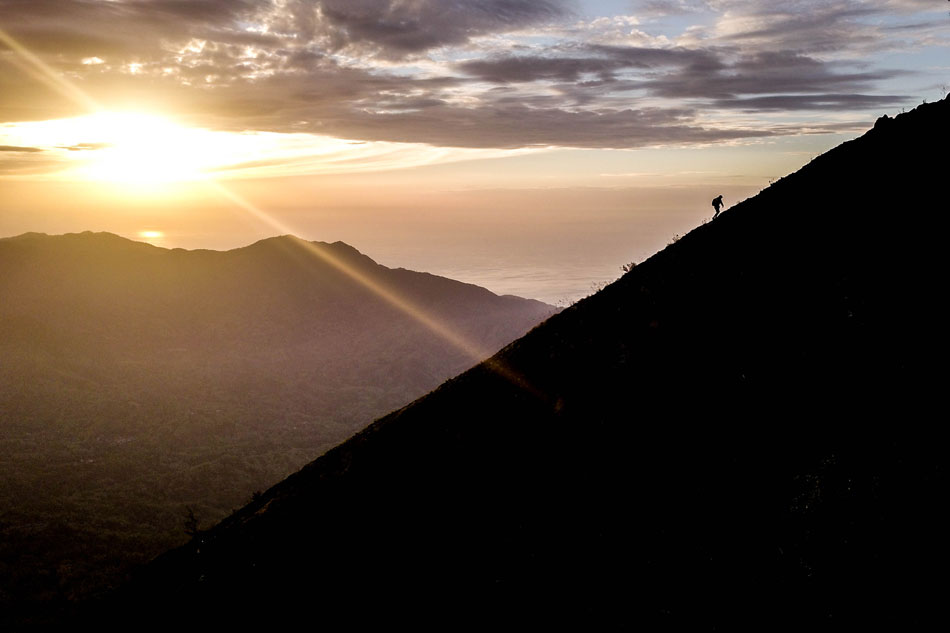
[
  {"x": 476, "y": 353},
  {"x": 40, "y": 71}
]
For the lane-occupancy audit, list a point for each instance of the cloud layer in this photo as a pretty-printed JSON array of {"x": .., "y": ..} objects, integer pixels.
[{"x": 468, "y": 73}]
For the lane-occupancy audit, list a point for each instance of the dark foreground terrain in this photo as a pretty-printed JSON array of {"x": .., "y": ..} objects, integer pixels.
[
  {"x": 743, "y": 431},
  {"x": 145, "y": 391}
]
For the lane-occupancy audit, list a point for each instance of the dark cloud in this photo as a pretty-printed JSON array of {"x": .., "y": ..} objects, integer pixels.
[
  {"x": 16, "y": 148},
  {"x": 811, "y": 102},
  {"x": 512, "y": 126},
  {"x": 823, "y": 28},
  {"x": 600, "y": 60},
  {"x": 398, "y": 28},
  {"x": 860, "y": 27},
  {"x": 718, "y": 75},
  {"x": 915, "y": 26},
  {"x": 764, "y": 73},
  {"x": 201, "y": 11},
  {"x": 641, "y": 57},
  {"x": 126, "y": 31},
  {"x": 535, "y": 68}
]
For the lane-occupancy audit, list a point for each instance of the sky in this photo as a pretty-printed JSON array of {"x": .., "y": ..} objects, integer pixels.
[{"x": 530, "y": 146}]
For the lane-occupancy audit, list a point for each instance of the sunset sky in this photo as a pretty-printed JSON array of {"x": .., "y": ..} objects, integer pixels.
[{"x": 531, "y": 146}]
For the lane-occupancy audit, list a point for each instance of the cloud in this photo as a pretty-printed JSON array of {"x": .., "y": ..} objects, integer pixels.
[
  {"x": 848, "y": 28},
  {"x": 823, "y": 28},
  {"x": 79, "y": 147},
  {"x": 466, "y": 73},
  {"x": 108, "y": 29},
  {"x": 761, "y": 73},
  {"x": 16, "y": 148},
  {"x": 513, "y": 126},
  {"x": 602, "y": 60},
  {"x": 517, "y": 69},
  {"x": 719, "y": 75},
  {"x": 811, "y": 102},
  {"x": 397, "y": 28}
]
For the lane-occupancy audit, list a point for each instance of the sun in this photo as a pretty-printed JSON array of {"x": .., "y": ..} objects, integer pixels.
[
  {"x": 128, "y": 148},
  {"x": 140, "y": 149}
]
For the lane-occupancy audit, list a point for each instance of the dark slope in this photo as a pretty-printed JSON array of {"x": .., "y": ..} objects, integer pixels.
[
  {"x": 135, "y": 381},
  {"x": 737, "y": 432}
]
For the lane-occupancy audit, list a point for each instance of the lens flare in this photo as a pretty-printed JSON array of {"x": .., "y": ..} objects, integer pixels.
[
  {"x": 476, "y": 353},
  {"x": 42, "y": 73}
]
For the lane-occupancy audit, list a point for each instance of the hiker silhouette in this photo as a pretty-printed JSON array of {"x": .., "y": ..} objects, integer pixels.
[{"x": 716, "y": 203}]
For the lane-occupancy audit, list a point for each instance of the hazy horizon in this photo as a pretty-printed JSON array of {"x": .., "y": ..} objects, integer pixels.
[{"x": 556, "y": 253}]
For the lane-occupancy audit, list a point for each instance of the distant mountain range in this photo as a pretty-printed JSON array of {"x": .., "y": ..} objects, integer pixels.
[
  {"x": 743, "y": 431},
  {"x": 143, "y": 389}
]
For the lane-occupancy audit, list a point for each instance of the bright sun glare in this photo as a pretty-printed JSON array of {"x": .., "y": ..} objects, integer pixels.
[{"x": 134, "y": 148}]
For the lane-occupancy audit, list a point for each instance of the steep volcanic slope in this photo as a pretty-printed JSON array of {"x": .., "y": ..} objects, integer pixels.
[
  {"x": 739, "y": 431},
  {"x": 136, "y": 381}
]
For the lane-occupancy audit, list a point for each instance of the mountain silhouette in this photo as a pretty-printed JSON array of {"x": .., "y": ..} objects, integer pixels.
[
  {"x": 742, "y": 431},
  {"x": 136, "y": 381}
]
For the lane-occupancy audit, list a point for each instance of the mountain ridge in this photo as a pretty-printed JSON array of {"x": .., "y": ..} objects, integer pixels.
[{"x": 281, "y": 241}]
